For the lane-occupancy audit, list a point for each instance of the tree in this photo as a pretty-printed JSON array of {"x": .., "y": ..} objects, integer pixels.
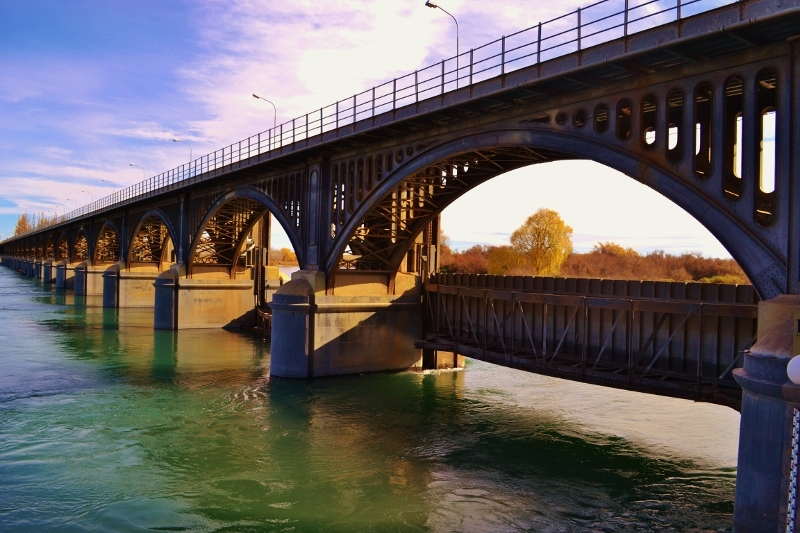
[
  {"x": 23, "y": 224},
  {"x": 504, "y": 260},
  {"x": 544, "y": 240}
]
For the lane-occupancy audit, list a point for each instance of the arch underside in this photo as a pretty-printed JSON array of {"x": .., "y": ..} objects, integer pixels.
[
  {"x": 221, "y": 237},
  {"x": 107, "y": 247},
  {"x": 384, "y": 227},
  {"x": 386, "y": 233},
  {"x": 151, "y": 241}
]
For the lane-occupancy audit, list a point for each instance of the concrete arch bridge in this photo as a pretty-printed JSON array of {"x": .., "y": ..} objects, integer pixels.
[{"x": 703, "y": 109}]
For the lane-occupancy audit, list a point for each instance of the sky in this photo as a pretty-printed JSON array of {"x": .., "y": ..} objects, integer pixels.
[{"x": 89, "y": 87}]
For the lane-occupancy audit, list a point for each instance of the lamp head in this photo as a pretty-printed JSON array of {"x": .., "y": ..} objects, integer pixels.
[
  {"x": 131, "y": 164},
  {"x": 256, "y": 96},
  {"x": 430, "y": 4},
  {"x": 176, "y": 140}
]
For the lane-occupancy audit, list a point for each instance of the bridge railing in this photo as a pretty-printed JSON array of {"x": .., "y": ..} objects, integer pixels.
[
  {"x": 673, "y": 338},
  {"x": 572, "y": 32}
]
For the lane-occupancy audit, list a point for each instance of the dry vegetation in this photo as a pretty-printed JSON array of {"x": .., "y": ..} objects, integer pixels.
[{"x": 607, "y": 260}]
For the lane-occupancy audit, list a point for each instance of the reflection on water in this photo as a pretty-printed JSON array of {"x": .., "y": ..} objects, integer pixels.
[{"x": 107, "y": 424}]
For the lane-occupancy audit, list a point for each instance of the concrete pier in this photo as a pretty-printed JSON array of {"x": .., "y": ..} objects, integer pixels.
[
  {"x": 37, "y": 269},
  {"x": 49, "y": 269},
  {"x": 768, "y": 403},
  {"x": 316, "y": 334},
  {"x": 182, "y": 303},
  {"x": 128, "y": 288},
  {"x": 65, "y": 275}
]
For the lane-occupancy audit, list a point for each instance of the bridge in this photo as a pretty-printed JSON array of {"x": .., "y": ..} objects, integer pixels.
[{"x": 679, "y": 96}]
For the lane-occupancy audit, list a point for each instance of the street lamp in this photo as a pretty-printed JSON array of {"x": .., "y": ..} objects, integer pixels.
[
  {"x": 435, "y": 6},
  {"x": 113, "y": 185},
  {"x": 90, "y": 194},
  {"x": 71, "y": 200},
  {"x": 187, "y": 144},
  {"x": 275, "y": 110},
  {"x": 140, "y": 168}
]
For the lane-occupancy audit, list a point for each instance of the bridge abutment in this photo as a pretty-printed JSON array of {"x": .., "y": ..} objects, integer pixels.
[
  {"x": 769, "y": 404},
  {"x": 183, "y": 303},
  {"x": 315, "y": 334}
]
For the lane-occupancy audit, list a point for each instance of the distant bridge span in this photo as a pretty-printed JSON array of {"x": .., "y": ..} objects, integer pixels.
[{"x": 687, "y": 107}]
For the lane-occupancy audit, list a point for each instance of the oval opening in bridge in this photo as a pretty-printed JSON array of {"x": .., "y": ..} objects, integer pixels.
[
  {"x": 624, "y": 110},
  {"x": 649, "y": 121},
  {"x": 601, "y": 118},
  {"x": 675, "y": 125},
  {"x": 766, "y": 136},
  {"x": 703, "y": 110},
  {"x": 732, "y": 137}
]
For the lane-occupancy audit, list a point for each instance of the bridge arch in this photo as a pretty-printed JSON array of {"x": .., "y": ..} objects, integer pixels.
[
  {"x": 755, "y": 255},
  {"x": 222, "y": 233},
  {"x": 62, "y": 250},
  {"x": 153, "y": 241},
  {"x": 80, "y": 248},
  {"x": 106, "y": 248}
]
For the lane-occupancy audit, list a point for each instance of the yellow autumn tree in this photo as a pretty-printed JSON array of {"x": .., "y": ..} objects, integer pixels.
[{"x": 545, "y": 242}]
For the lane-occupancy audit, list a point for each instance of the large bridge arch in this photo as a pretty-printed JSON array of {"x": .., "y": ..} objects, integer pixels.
[
  {"x": 106, "y": 248},
  {"x": 248, "y": 199},
  {"x": 764, "y": 265},
  {"x": 152, "y": 237}
]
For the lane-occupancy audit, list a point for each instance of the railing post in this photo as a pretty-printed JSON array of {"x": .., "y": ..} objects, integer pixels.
[
  {"x": 416, "y": 86},
  {"x": 307, "y": 135},
  {"x": 269, "y": 140},
  {"x": 280, "y": 136},
  {"x": 503, "y": 56},
  {"x": 373, "y": 101},
  {"x": 394, "y": 94},
  {"x": 470, "y": 66},
  {"x": 337, "y": 114},
  {"x": 354, "y": 112},
  {"x": 680, "y": 4},
  {"x": 539, "y": 44},
  {"x": 442, "y": 92},
  {"x": 625, "y": 25},
  {"x": 293, "y": 129},
  {"x": 321, "y": 120},
  {"x": 579, "y": 29}
]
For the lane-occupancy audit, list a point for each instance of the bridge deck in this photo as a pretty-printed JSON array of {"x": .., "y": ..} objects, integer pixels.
[{"x": 672, "y": 339}]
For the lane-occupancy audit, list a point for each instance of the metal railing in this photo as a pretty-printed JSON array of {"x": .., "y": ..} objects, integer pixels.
[
  {"x": 588, "y": 26},
  {"x": 673, "y": 338}
]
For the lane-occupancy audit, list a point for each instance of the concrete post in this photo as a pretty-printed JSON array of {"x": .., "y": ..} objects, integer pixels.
[
  {"x": 182, "y": 303},
  {"x": 316, "y": 334},
  {"x": 768, "y": 403}
]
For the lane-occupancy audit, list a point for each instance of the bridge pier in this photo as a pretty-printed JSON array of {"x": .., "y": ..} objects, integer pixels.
[
  {"x": 89, "y": 279},
  {"x": 127, "y": 288},
  {"x": 769, "y": 406},
  {"x": 49, "y": 269},
  {"x": 37, "y": 269},
  {"x": 359, "y": 328},
  {"x": 65, "y": 275},
  {"x": 183, "y": 303}
]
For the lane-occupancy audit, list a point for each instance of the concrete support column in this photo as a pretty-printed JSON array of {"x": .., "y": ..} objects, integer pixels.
[
  {"x": 37, "y": 269},
  {"x": 314, "y": 334},
  {"x": 768, "y": 402},
  {"x": 49, "y": 271},
  {"x": 29, "y": 267},
  {"x": 123, "y": 288},
  {"x": 182, "y": 303},
  {"x": 65, "y": 275}
]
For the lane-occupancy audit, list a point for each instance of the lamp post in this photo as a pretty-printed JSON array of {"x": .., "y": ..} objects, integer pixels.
[
  {"x": 274, "y": 110},
  {"x": 140, "y": 168},
  {"x": 436, "y": 6},
  {"x": 90, "y": 194},
  {"x": 187, "y": 144},
  {"x": 73, "y": 201},
  {"x": 113, "y": 185}
]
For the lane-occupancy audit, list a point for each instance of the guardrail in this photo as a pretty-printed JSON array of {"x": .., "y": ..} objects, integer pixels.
[
  {"x": 671, "y": 338},
  {"x": 572, "y": 32}
]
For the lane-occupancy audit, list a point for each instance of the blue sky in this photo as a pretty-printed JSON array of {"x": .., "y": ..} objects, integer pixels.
[{"x": 88, "y": 87}]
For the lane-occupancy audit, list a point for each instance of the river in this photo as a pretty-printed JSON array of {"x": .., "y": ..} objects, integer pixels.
[{"x": 108, "y": 425}]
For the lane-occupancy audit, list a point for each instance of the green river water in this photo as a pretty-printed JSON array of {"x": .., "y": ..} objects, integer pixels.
[{"x": 108, "y": 425}]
